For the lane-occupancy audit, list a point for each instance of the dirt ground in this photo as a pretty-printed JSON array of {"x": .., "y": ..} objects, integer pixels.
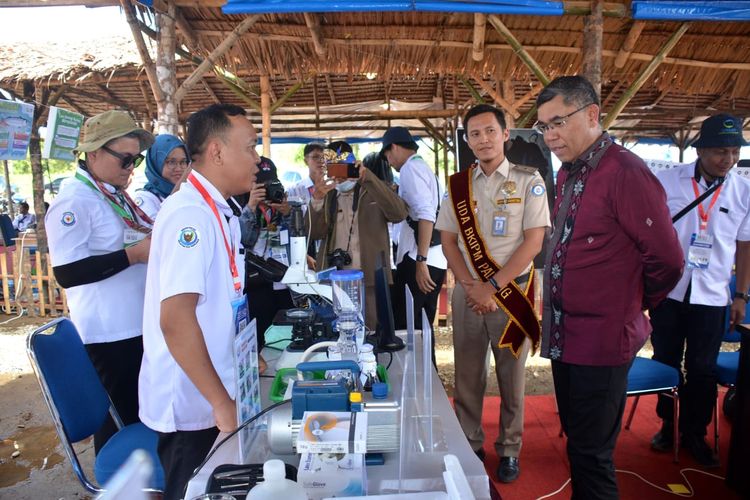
[{"x": 41, "y": 471}]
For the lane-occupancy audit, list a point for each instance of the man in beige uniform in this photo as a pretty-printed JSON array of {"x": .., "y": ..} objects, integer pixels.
[{"x": 496, "y": 249}]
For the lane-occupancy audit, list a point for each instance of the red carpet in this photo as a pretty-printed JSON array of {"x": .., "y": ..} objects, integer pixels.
[{"x": 544, "y": 465}]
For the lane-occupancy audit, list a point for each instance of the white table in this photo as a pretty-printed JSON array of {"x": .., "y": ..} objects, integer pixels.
[{"x": 425, "y": 473}]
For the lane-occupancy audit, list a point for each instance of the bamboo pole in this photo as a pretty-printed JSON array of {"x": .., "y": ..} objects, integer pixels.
[
  {"x": 518, "y": 48},
  {"x": 593, "y": 26},
  {"x": 211, "y": 59},
  {"x": 148, "y": 65},
  {"x": 313, "y": 24},
  {"x": 289, "y": 93},
  {"x": 508, "y": 107},
  {"x": 480, "y": 27},
  {"x": 265, "y": 107},
  {"x": 167, "y": 119},
  {"x": 474, "y": 92},
  {"x": 644, "y": 75},
  {"x": 629, "y": 43}
]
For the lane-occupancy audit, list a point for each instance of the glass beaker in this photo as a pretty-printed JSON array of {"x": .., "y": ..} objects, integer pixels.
[{"x": 349, "y": 293}]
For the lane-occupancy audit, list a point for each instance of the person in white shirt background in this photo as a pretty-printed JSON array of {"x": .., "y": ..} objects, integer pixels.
[
  {"x": 715, "y": 235},
  {"x": 420, "y": 262},
  {"x": 99, "y": 244},
  {"x": 24, "y": 220},
  {"x": 194, "y": 300},
  {"x": 166, "y": 161},
  {"x": 316, "y": 164}
]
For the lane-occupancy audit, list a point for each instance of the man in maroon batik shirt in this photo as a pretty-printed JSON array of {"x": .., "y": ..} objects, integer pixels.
[{"x": 613, "y": 253}]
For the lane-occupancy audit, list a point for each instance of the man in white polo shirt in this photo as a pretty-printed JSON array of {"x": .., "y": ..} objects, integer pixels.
[
  {"x": 193, "y": 288},
  {"x": 714, "y": 235},
  {"x": 98, "y": 246}
]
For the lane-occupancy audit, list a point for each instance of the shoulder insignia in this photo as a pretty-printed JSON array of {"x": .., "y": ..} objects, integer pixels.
[
  {"x": 537, "y": 189},
  {"x": 68, "y": 219},
  {"x": 525, "y": 169},
  {"x": 188, "y": 237}
]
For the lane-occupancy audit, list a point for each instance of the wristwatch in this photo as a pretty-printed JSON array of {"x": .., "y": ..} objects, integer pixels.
[
  {"x": 743, "y": 296},
  {"x": 421, "y": 258}
]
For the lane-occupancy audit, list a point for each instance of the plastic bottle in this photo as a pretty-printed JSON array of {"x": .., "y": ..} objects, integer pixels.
[
  {"x": 369, "y": 373},
  {"x": 275, "y": 485},
  {"x": 348, "y": 326}
]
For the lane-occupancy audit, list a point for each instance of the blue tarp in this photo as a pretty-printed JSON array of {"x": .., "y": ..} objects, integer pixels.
[
  {"x": 714, "y": 10},
  {"x": 523, "y": 7}
]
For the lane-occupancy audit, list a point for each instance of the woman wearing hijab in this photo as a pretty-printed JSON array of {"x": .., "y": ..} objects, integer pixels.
[{"x": 166, "y": 161}]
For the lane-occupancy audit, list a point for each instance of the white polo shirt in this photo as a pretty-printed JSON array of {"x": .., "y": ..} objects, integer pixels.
[
  {"x": 729, "y": 222},
  {"x": 301, "y": 191},
  {"x": 148, "y": 202},
  {"x": 188, "y": 255},
  {"x": 80, "y": 223},
  {"x": 418, "y": 187}
]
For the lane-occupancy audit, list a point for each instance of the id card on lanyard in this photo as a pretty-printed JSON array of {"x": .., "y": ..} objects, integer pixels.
[{"x": 701, "y": 243}]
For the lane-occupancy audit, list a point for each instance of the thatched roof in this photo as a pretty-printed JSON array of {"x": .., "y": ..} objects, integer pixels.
[{"x": 418, "y": 58}]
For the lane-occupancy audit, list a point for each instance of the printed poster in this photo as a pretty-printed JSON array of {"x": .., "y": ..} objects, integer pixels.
[
  {"x": 248, "y": 385},
  {"x": 16, "y": 119},
  {"x": 63, "y": 129}
]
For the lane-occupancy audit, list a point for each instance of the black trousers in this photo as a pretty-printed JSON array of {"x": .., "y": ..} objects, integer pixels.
[
  {"x": 695, "y": 331},
  {"x": 406, "y": 274},
  {"x": 180, "y": 453},
  {"x": 591, "y": 401},
  {"x": 118, "y": 364}
]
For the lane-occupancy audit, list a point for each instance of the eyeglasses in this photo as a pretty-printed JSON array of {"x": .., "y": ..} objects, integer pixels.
[
  {"x": 316, "y": 157},
  {"x": 558, "y": 122},
  {"x": 126, "y": 159},
  {"x": 172, "y": 163}
]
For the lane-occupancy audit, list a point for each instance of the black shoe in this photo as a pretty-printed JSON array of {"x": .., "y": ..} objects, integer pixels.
[
  {"x": 508, "y": 470},
  {"x": 664, "y": 439},
  {"x": 701, "y": 452},
  {"x": 480, "y": 454}
]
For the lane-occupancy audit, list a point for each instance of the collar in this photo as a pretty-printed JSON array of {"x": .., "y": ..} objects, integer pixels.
[
  {"x": 83, "y": 170},
  {"x": 697, "y": 175},
  {"x": 503, "y": 169},
  {"x": 221, "y": 203},
  {"x": 592, "y": 155}
]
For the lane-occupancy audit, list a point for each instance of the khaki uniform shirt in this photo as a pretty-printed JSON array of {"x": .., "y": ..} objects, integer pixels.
[{"x": 526, "y": 208}]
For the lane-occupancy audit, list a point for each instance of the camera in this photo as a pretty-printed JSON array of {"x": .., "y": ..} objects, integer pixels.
[
  {"x": 274, "y": 191},
  {"x": 339, "y": 258}
]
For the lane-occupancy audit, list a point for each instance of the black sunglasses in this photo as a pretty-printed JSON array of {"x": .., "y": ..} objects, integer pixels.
[{"x": 127, "y": 159}]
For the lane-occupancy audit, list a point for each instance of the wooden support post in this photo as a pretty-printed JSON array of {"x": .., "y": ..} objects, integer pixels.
[
  {"x": 584, "y": 8},
  {"x": 509, "y": 94},
  {"x": 313, "y": 24},
  {"x": 330, "y": 88},
  {"x": 167, "y": 119},
  {"x": 265, "y": 109},
  {"x": 480, "y": 26},
  {"x": 219, "y": 51},
  {"x": 148, "y": 65},
  {"x": 645, "y": 74},
  {"x": 8, "y": 192},
  {"x": 518, "y": 49},
  {"x": 593, "y": 25},
  {"x": 629, "y": 43},
  {"x": 315, "y": 102}
]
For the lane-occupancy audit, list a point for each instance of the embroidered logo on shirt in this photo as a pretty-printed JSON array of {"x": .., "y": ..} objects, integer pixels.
[
  {"x": 138, "y": 201},
  {"x": 68, "y": 219},
  {"x": 537, "y": 190},
  {"x": 188, "y": 237}
]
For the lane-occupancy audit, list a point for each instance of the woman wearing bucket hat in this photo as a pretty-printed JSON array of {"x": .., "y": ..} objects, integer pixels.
[
  {"x": 166, "y": 162},
  {"x": 714, "y": 234},
  {"x": 99, "y": 244}
]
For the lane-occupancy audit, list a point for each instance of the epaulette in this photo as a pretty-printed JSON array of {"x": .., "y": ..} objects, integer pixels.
[{"x": 525, "y": 169}]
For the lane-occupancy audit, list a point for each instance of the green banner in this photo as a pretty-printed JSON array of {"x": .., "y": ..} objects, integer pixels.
[{"x": 63, "y": 129}]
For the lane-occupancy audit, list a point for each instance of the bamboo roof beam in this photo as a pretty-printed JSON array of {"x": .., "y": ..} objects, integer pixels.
[
  {"x": 518, "y": 103},
  {"x": 503, "y": 103},
  {"x": 644, "y": 75},
  {"x": 211, "y": 59},
  {"x": 434, "y": 133},
  {"x": 330, "y": 88},
  {"x": 148, "y": 64},
  {"x": 74, "y": 105},
  {"x": 583, "y": 8},
  {"x": 289, "y": 93},
  {"x": 628, "y": 45},
  {"x": 518, "y": 48},
  {"x": 210, "y": 91},
  {"x": 313, "y": 24},
  {"x": 147, "y": 99},
  {"x": 480, "y": 27},
  {"x": 474, "y": 92},
  {"x": 96, "y": 97}
]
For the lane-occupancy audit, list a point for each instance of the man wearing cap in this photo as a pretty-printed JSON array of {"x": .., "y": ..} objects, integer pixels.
[
  {"x": 420, "y": 262},
  {"x": 715, "y": 235},
  {"x": 99, "y": 244}
]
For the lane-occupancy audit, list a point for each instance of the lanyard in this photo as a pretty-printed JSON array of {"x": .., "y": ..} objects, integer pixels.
[
  {"x": 703, "y": 214},
  {"x": 207, "y": 197},
  {"x": 126, "y": 216}
]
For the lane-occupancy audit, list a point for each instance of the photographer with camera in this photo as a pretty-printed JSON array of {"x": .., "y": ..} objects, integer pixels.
[
  {"x": 349, "y": 212},
  {"x": 264, "y": 223}
]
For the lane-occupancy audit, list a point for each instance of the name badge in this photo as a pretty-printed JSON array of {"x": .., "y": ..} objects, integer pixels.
[
  {"x": 131, "y": 237},
  {"x": 699, "y": 251},
  {"x": 499, "y": 224},
  {"x": 240, "y": 313}
]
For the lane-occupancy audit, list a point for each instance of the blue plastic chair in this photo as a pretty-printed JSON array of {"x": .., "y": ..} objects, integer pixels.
[
  {"x": 648, "y": 376},
  {"x": 79, "y": 404}
]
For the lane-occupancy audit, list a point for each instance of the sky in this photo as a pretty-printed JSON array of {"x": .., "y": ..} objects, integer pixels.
[{"x": 62, "y": 23}]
